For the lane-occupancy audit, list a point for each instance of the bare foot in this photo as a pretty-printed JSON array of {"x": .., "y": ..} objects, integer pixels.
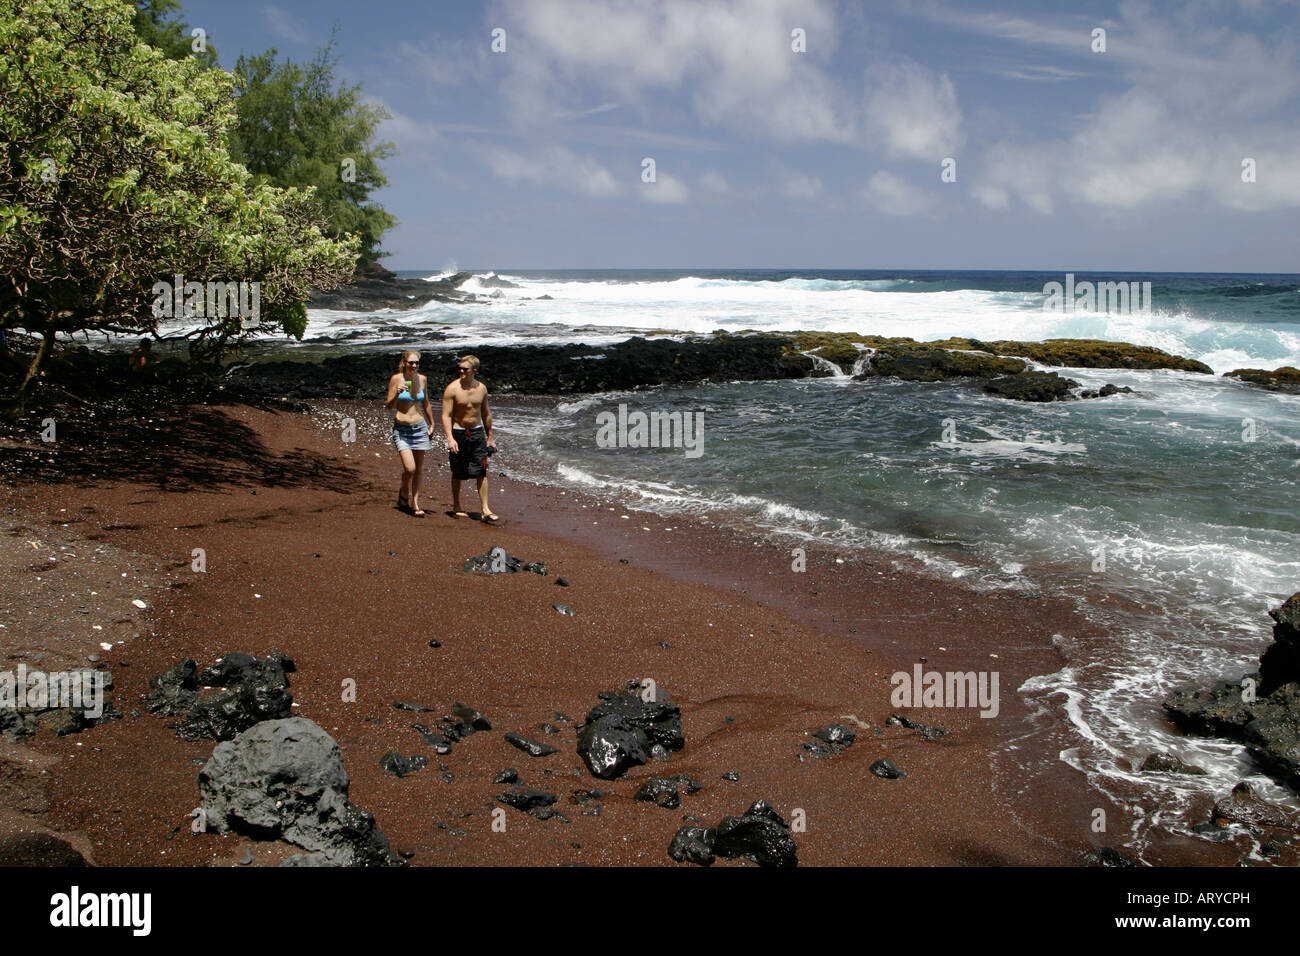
[{"x": 460, "y": 514}]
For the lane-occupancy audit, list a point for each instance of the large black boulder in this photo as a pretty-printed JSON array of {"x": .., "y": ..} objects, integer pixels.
[
  {"x": 619, "y": 732},
  {"x": 285, "y": 779}
]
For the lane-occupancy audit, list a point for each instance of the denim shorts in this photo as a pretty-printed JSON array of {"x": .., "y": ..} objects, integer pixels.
[{"x": 411, "y": 437}]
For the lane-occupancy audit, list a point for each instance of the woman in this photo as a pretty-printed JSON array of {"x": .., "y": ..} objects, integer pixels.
[{"x": 408, "y": 396}]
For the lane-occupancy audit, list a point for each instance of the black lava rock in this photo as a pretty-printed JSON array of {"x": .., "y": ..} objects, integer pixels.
[
  {"x": 618, "y": 732},
  {"x": 926, "y": 731},
  {"x": 438, "y": 742},
  {"x": 885, "y": 768},
  {"x": 395, "y": 763},
  {"x": 530, "y": 747},
  {"x": 830, "y": 740},
  {"x": 285, "y": 779},
  {"x": 760, "y": 835},
  {"x": 498, "y": 561},
  {"x": 251, "y": 690},
  {"x": 693, "y": 845},
  {"x": 663, "y": 791},
  {"x": 1167, "y": 763},
  {"x": 537, "y": 803},
  {"x": 1032, "y": 387}
]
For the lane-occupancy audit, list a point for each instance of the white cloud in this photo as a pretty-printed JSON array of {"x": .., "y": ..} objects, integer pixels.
[
  {"x": 893, "y": 196},
  {"x": 733, "y": 59},
  {"x": 1198, "y": 98},
  {"x": 912, "y": 112},
  {"x": 554, "y": 166},
  {"x": 404, "y": 130},
  {"x": 802, "y": 186},
  {"x": 285, "y": 26},
  {"x": 713, "y": 181},
  {"x": 666, "y": 188}
]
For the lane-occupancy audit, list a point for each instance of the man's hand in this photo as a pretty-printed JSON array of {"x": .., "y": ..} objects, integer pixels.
[
  {"x": 492, "y": 444},
  {"x": 452, "y": 446}
]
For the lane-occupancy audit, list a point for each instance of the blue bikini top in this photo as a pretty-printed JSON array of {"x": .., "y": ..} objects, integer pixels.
[{"x": 405, "y": 396}]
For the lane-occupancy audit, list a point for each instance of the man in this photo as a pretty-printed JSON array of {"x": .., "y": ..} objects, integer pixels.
[
  {"x": 467, "y": 423},
  {"x": 139, "y": 359}
]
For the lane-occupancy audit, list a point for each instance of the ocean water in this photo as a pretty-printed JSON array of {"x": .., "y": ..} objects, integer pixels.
[{"x": 1169, "y": 515}]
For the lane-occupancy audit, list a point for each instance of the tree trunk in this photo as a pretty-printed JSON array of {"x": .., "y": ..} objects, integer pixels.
[{"x": 15, "y": 403}]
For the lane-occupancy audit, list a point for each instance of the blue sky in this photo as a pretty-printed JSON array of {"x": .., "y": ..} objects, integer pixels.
[{"x": 1066, "y": 158}]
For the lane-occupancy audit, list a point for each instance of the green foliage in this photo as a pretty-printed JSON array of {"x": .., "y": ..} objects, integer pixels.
[
  {"x": 154, "y": 25},
  {"x": 114, "y": 175},
  {"x": 296, "y": 128}
]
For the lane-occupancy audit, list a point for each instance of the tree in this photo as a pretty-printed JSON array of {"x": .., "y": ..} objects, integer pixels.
[
  {"x": 114, "y": 175},
  {"x": 154, "y": 25},
  {"x": 296, "y": 129}
]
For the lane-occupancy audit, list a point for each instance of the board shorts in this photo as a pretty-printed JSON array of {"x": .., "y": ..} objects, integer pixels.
[
  {"x": 412, "y": 436},
  {"x": 471, "y": 460}
]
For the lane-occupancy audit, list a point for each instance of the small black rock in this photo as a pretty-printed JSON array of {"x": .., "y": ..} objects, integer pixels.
[{"x": 885, "y": 768}]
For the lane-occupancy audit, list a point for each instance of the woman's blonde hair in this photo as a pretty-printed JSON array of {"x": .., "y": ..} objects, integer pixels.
[{"x": 406, "y": 356}]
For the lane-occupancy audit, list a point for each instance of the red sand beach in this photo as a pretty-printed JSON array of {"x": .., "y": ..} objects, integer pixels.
[{"x": 305, "y": 553}]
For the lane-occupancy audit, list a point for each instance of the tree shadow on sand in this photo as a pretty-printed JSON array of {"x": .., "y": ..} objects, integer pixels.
[{"x": 196, "y": 448}]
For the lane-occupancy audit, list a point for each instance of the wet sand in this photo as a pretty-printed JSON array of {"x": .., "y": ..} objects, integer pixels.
[{"x": 305, "y": 553}]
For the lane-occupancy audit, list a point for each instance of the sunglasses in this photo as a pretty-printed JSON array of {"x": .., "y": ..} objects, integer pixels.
[
  {"x": 462, "y": 368},
  {"x": 412, "y": 363}
]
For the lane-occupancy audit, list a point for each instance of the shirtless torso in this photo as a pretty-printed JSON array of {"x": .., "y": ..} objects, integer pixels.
[{"x": 465, "y": 405}]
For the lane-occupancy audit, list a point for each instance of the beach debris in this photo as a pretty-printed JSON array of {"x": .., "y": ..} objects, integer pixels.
[
  {"x": 619, "y": 730},
  {"x": 830, "y": 740},
  {"x": 498, "y": 561},
  {"x": 562, "y": 582},
  {"x": 395, "y": 763},
  {"x": 548, "y": 728},
  {"x": 247, "y": 690},
  {"x": 509, "y": 775},
  {"x": 435, "y": 643},
  {"x": 664, "y": 792},
  {"x": 761, "y": 835},
  {"x": 659, "y": 752},
  {"x": 537, "y": 803},
  {"x": 886, "y": 769},
  {"x": 732, "y": 775},
  {"x": 532, "y": 748},
  {"x": 926, "y": 731},
  {"x": 285, "y": 779},
  {"x": 564, "y": 609},
  {"x": 439, "y": 743},
  {"x": 1167, "y": 763},
  {"x": 1244, "y": 806}
]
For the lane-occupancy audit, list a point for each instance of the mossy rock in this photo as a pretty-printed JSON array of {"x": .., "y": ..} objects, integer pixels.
[
  {"x": 934, "y": 365},
  {"x": 1096, "y": 353},
  {"x": 1284, "y": 379}
]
